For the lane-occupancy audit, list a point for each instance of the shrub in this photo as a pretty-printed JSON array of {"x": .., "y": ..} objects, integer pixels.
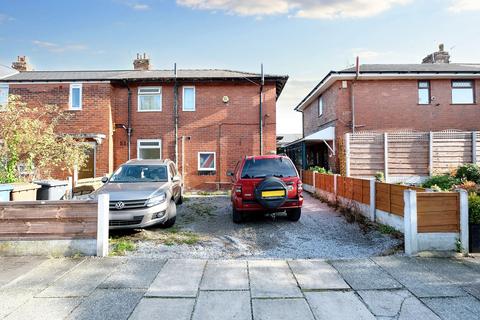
[
  {"x": 474, "y": 208},
  {"x": 468, "y": 172},
  {"x": 318, "y": 169},
  {"x": 444, "y": 182},
  {"x": 380, "y": 176},
  {"x": 469, "y": 186}
]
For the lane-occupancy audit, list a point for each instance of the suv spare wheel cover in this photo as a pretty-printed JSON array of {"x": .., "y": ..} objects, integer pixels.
[{"x": 271, "y": 184}]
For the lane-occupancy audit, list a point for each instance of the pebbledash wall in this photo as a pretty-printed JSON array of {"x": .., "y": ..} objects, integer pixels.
[
  {"x": 231, "y": 129},
  {"x": 428, "y": 220}
]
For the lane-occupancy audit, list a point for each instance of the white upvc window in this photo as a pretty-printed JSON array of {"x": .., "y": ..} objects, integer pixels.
[
  {"x": 3, "y": 96},
  {"x": 320, "y": 106},
  {"x": 149, "y": 99},
  {"x": 206, "y": 161},
  {"x": 149, "y": 149},
  {"x": 424, "y": 92},
  {"x": 462, "y": 92},
  {"x": 188, "y": 98},
  {"x": 75, "y": 97}
]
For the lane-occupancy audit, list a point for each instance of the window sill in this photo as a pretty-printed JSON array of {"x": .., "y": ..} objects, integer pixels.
[
  {"x": 463, "y": 104},
  {"x": 149, "y": 111},
  {"x": 74, "y": 110},
  {"x": 188, "y": 110}
]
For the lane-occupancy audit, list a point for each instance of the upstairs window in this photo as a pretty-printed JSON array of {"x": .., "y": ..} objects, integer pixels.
[
  {"x": 320, "y": 106},
  {"x": 462, "y": 92},
  {"x": 149, "y": 99},
  {"x": 188, "y": 99},
  {"x": 75, "y": 100},
  {"x": 424, "y": 92},
  {"x": 206, "y": 161},
  {"x": 3, "y": 96},
  {"x": 149, "y": 149}
]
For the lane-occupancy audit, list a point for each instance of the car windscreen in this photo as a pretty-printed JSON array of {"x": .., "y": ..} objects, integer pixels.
[
  {"x": 261, "y": 168},
  {"x": 140, "y": 173}
]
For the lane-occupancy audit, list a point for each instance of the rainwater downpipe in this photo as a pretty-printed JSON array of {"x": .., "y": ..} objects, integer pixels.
[{"x": 129, "y": 121}]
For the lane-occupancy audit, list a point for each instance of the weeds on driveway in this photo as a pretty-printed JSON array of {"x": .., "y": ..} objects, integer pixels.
[{"x": 120, "y": 246}]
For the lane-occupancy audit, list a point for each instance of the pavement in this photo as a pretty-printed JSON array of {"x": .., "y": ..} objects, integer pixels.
[{"x": 391, "y": 287}]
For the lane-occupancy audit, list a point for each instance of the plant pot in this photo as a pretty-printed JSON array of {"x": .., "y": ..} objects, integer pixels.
[
  {"x": 24, "y": 191},
  {"x": 474, "y": 241},
  {"x": 51, "y": 189},
  {"x": 5, "y": 190}
]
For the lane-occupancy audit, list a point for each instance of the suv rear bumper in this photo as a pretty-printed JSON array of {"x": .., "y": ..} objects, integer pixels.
[{"x": 253, "y": 205}]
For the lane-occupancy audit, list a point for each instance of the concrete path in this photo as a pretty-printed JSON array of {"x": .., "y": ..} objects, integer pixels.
[{"x": 130, "y": 288}]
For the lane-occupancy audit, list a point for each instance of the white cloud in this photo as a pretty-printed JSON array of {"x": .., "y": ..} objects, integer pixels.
[
  {"x": 140, "y": 6},
  {"x": 311, "y": 9},
  {"x": 365, "y": 54},
  {"x": 5, "y": 18},
  {"x": 57, "y": 48},
  {"x": 464, "y": 5}
]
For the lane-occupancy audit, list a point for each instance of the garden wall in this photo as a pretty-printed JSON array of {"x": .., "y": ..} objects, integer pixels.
[
  {"x": 430, "y": 221},
  {"x": 54, "y": 227}
]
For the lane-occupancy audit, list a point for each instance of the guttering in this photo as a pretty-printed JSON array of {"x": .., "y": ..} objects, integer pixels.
[{"x": 333, "y": 76}]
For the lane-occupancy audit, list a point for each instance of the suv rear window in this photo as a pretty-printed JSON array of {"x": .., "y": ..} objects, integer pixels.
[{"x": 261, "y": 168}]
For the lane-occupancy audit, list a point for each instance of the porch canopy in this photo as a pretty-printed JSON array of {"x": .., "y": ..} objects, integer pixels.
[{"x": 327, "y": 134}]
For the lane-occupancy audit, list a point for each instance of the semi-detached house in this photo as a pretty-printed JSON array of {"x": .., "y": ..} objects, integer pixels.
[
  {"x": 205, "y": 120},
  {"x": 435, "y": 95}
]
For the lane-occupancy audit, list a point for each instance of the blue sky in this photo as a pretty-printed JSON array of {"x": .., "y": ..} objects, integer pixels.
[{"x": 302, "y": 38}]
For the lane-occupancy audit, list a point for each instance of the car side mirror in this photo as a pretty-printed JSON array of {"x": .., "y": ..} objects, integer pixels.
[
  {"x": 176, "y": 179},
  {"x": 229, "y": 173},
  {"x": 104, "y": 179}
]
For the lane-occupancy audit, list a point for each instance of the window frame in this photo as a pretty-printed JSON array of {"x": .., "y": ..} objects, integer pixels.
[
  {"x": 70, "y": 96},
  {"x": 139, "y": 141},
  {"x": 320, "y": 106},
  {"x": 429, "y": 90},
  {"x": 139, "y": 94},
  {"x": 194, "y": 99},
  {"x": 472, "y": 87},
  {"x": 3, "y": 108},
  {"x": 214, "y": 161}
]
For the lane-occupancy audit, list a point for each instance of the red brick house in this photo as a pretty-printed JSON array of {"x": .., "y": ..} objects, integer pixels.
[
  {"x": 432, "y": 96},
  {"x": 206, "y": 120}
]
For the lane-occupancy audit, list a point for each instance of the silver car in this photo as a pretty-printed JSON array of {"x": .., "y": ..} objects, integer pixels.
[{"x": 143, "y": 193}]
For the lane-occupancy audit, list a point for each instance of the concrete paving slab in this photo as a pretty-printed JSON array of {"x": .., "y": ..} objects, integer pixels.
[
  {"x": 178, "y": 278},
  {"x": 134, "y": 273},
  {"x": 337, "y": 305},
  {"x": 114, "y": 304},
  {"x": 11, "y": 299},
  {"x": 45, "y": 308},
  {"x": 396, "y": 303},
  {"x": 44, "y": 274},
  {"x": 13, "y": 267},
  {"x": 473, "y": 290},
  {"x": 225, "y": 275},
  {"x": 163, "y": 308},
  {"x": 421, "y": 281},
  {"x": 455, "y": 308},
  {"x": 364, "y": 274},
  {"x": 82, "y": 280},
  {"x": 317, "y": 275},
  {"x": 452, "y": 269},
  {"x": 221, "y": 305},
  {"x": 281, "y": 309},
  {"x": 272, "y": 278}
]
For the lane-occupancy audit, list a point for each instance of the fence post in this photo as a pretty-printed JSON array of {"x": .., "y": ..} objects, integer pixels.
[
  {"x": 335, "y": 184},
  {"x": 410, "y": 222},
  {"x": 313, "y": 182},
  {"x": 385, "y": 155},
  {"x": 430, "y": 153},
  {"x": 464, "y": 221},
  {"x": 102, "y": 225},
  {"x": 474, "y": 147},
  {"x": 69, "y": 193},
  {"x": 347, "y": 154},
  {"x": 372, "y": 200}
]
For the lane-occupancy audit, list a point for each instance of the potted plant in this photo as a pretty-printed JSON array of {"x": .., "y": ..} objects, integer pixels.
[{"x": 474, "y": 219}]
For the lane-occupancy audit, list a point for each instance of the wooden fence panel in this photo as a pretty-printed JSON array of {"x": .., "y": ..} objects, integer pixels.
[
  {"x": 366, "y": 154},
  {"x": 397, "y": 204},
  {"x": 366, "y": 191},
  {"x": 340, "y": 186},
  {"x": 382, "y": 196},
  {"x": 438, "y": 212},
  {"x": 329, "y": 181},
  {"x": 357, "y": 190},
  {"x": 48, "y": 220},
  {"x": 348, "y": 188},
  {"x": 307, "y": 177}
]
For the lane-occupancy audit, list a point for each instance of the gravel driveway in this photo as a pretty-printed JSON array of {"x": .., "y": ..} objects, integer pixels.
[{"x": 205, "y": 229}]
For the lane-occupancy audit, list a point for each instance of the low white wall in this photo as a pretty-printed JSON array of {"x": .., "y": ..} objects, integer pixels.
[
  {"x": 390, "y": 219},
  {"x": 437, "y": 241},
  {"x": 54, "y": 248}
]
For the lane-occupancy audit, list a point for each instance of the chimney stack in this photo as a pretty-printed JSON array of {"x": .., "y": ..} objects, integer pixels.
[
  {"x": 142, "y": 62},
  {"x": 441, "y": 56},
  {"x": 21, "y": 64}
]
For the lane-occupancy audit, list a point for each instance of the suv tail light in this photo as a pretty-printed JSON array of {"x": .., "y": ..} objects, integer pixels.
[
  {"x": 238, "y": 190},
  {"x": 299, "y": 187}
]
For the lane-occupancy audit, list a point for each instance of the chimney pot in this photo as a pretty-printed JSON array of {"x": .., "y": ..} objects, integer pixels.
[
  {"x": 441, "y": 56},
  {"x": 21, "y": 64},
  {"x": 141, "y": 62}
]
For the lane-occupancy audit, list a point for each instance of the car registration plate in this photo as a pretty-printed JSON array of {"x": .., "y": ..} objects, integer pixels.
[{"x": 272, "y": 194}]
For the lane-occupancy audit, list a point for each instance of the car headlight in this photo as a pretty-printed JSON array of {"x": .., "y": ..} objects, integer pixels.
[{"x": 156, "y": 200}]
